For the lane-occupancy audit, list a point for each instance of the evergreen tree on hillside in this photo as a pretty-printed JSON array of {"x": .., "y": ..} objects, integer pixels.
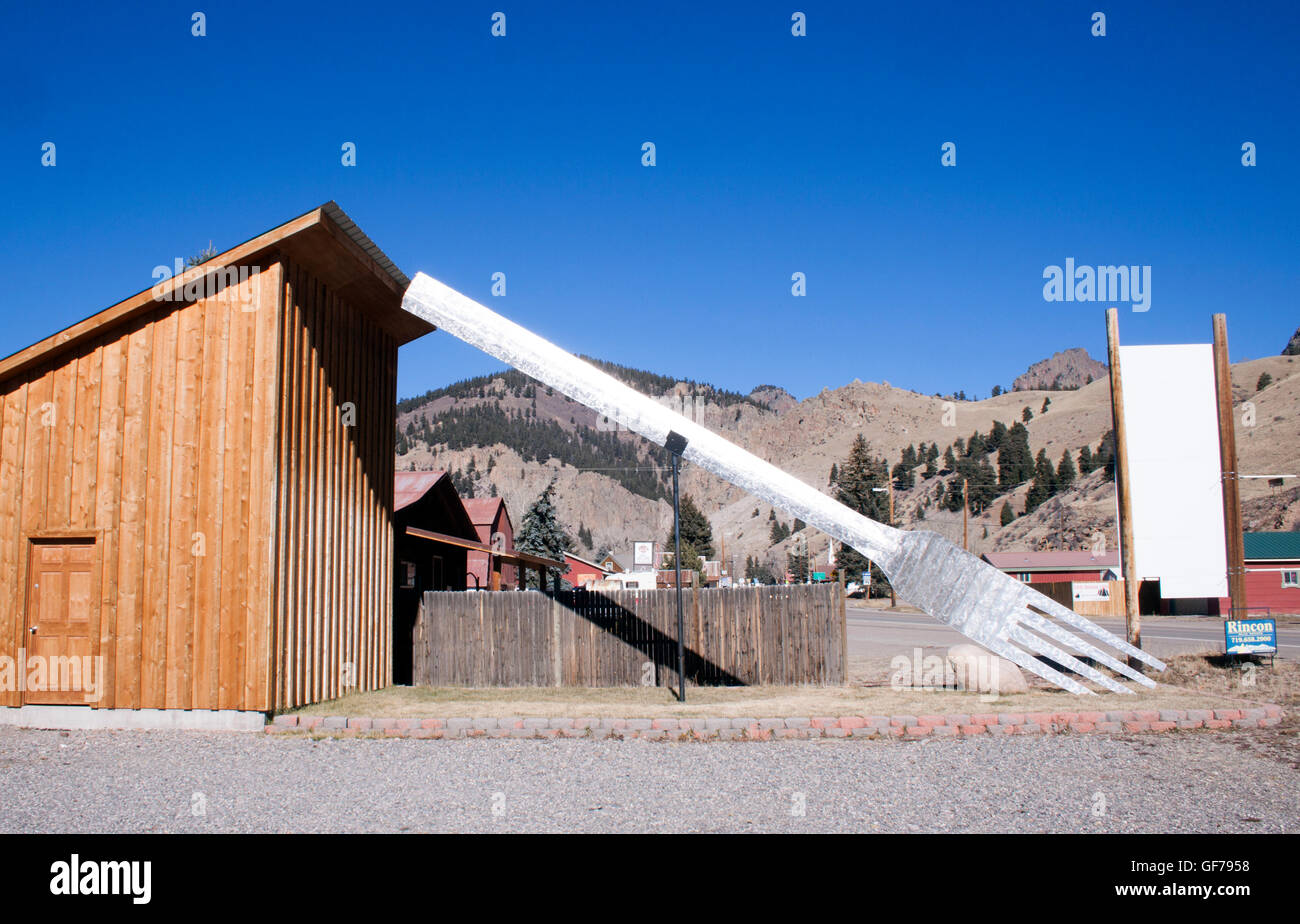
[
  {"x": 1015, "y": 464},
  {"x": 1105, "y": 455},
  {"x": 1065, "y": 473},
  {"x": 949, "y": 460},
  {"x": 540, "y": 532},
  {"x": 997, "y": 434},
  {"x": 1086, "y": 464},
  {"x": 1026, "y": 415},
  {"x": 859, "y": 473},
  {"x": 1007, "y": 514},
  {"x": 1043, "y": 484}
]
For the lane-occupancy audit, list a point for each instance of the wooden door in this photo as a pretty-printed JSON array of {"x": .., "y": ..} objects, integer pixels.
[{"x": 60, "y": 611}]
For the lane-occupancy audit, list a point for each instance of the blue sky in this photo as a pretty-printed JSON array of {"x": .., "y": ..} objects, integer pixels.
[{"x": 775, "y": 155}]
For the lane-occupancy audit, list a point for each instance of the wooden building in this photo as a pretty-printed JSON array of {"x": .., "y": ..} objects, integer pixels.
[
  {"x": 492, "y": 520},
  {"x": 1056, "y": 566},
  {"x": 196, "y": 484},
  {"x": 429, "y": 502}
]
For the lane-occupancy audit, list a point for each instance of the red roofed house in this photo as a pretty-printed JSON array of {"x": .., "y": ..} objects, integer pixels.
[
  {"x": 492, "y": 522},
  {"x": 1048, "y": 567},
  {"x": 426, "y": 501},
  {"x": 582, "y": 572}
]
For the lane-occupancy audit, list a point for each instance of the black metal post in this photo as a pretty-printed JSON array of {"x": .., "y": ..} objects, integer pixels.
[
  {"x": 677, "y": 561},
  {"x": 676, "y": 444}
]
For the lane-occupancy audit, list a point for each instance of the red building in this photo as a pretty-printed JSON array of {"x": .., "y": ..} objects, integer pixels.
[
  {"x": 1046, "y": 567},
  {"x": 582, "y": 572},
  {"x": 1272, "y": 575},
  {"x": 492, "y": 521}
]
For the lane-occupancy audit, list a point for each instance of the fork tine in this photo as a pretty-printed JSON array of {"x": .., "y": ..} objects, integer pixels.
[
  {"x": 1069, "y": 617},
  {"x": 1024, "y": 637},
  {"x": 1046, "y": 627},
  {"x": 1004, "y": 648}
]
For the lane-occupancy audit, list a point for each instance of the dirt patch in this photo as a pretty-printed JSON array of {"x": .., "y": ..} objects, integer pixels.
[{"x": 1187, "y": 685}]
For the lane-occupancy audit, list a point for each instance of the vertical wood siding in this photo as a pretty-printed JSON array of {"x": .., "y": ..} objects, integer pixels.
[
  {"x": 157, "y": 440},
  {"x": 334, "y": 549}
]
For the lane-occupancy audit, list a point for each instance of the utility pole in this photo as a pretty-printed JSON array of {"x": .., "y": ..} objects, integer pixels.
[
  {"x": 1235, "y": 540},
  {"x": 1123, "y": 489},
  {"x": 893, "y": 600},
  {"x": 965, "y": 512}
]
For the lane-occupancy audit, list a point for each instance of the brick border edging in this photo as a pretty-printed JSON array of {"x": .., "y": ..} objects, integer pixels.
[{"x": 752, "y": 729}]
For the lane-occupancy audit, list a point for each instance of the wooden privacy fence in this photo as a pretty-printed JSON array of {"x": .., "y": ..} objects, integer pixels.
[
  {"x": 1063, "y": 592},
  {"x": 790, "y": 634}
]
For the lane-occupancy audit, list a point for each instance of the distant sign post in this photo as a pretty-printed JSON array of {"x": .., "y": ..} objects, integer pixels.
[{"x": 1250, "y": 637}]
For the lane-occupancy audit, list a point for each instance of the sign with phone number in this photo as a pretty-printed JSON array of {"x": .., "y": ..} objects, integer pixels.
[{"x": 1250, "y": 636}]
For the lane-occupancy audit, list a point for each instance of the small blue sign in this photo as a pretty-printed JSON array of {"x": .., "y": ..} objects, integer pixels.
[{"x": 1250, "y": 636}]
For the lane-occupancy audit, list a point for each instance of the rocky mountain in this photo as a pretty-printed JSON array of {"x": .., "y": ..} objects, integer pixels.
[
  {"x": 1293, "y": 346},
  {"x": 1072, "y": 368},
  {"x": 507, "y": 434}
]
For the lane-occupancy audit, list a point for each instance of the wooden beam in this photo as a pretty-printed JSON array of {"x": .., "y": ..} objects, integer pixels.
[
  {"x": 1132, "y": 618},
  {"x": 1235, "y": 540}
]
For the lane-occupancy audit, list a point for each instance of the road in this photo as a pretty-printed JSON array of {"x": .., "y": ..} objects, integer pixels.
[{"x": 883, "y": 633}]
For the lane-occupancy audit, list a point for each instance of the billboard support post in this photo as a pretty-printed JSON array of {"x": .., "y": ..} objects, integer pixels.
[
  {"x": 1123, "y": 490},
  {"x": 1234, "y": 540}
]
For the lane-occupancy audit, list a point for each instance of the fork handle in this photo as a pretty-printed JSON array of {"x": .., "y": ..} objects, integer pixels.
[{"x": 481, "y": 327}]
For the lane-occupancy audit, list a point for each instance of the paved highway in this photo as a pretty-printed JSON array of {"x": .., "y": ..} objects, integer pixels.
[{"x": 878, "y": 633}]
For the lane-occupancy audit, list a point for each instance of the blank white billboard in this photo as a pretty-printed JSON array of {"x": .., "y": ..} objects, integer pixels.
[{"x": 1171, "y": 418}]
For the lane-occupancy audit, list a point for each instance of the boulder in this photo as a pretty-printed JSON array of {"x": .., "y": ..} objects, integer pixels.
[{"x": 981, "y": 671}]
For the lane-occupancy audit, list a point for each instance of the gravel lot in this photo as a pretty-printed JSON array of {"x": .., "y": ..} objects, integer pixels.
[{"x": 155, "y": 781}]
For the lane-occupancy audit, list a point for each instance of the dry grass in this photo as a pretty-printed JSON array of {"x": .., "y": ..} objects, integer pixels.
[{"x": 1192, "y": 682}]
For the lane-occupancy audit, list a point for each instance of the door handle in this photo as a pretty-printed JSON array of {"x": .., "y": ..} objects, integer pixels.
[{"x": 32, "y": 630}]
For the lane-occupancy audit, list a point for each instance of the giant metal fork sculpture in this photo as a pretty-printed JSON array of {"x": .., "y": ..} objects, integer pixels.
[{"x": 989, "y": 607}]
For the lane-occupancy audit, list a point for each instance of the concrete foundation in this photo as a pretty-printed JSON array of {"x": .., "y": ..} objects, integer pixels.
[{"x": 84, "y": 717}]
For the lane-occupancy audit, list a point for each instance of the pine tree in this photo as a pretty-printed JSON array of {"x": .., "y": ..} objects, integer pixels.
[
  {"x": 859, "y": 474},
  {"x": 540, "y": 532},
  {"x": 1265, "y": 380},
  {"x": 1086, "y": 465},
  {"x": 835, "y": 474},
  {"x": 997, "y": 434},
  {"x": 1007, "y": 514},
  {"x": 1065, "y": 472},
  {"x": 1026, "y": 415},
  {"x": 1047, "y": 402},
  {"x": 1015, "y": 464},
  {"x": 1105, "y": 456},
  {"x": 695, "y": 528},
  {"x": 1043, "y": 484}
]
